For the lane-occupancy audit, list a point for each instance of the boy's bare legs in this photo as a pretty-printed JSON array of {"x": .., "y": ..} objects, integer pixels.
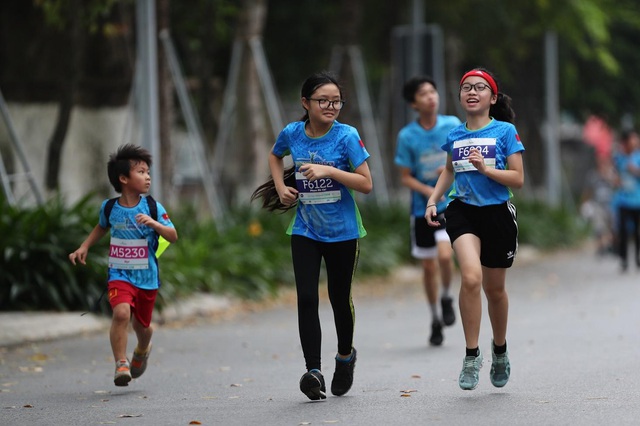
[
  {"x": 445, "y": 264},
  {"x": 119, "y": 329},
  {"x": 118, "y": 337},
  {"x": 430, "y": 282},
  {"x": 144, "y": 335}
]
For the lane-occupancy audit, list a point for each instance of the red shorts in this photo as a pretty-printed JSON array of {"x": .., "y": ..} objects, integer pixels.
[{"x": 140, "y": 300}]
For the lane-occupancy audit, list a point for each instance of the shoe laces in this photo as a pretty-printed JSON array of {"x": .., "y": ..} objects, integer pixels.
[{"x": 470, "y": 364}]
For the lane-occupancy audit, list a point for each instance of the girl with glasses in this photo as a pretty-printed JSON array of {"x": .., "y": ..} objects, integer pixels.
[
  {"x": 484, "y": 161},
  {"x": 329, "y": 164}
]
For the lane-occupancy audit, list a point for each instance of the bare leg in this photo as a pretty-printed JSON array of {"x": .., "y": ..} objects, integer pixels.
[
  {"x": 119, "y": 330},
  {"x": 498, "y": 302},
  {"x": 467, "y": 249},
  {"x": 143, "y": 333}
]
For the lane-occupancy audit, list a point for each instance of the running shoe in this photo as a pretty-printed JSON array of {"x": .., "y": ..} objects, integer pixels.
[
  {"x": 436, "y": 333},
  {"x": 343, "y": 375},
  {"x": 122, "y": 376},
  {"x": 139, "y": 363},
  {"x": 500, "y": 368},
  {"x": 312, "y": 385},
  {"x": 448, "y": 314},
  {"x": 470, "y": 374}
]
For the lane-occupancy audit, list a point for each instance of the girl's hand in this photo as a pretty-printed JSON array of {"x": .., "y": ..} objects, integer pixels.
[
  {"x": 476, "y": 158},
  {"x": 431, "y": 214},
  {"x": 288, "y": 195},
  {"x": 315, "y": 171}
]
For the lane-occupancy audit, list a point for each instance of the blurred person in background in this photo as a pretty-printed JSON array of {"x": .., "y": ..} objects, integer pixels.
[
  {"x": 421, "y": 160},
  {"x": 627, "y": 197}
]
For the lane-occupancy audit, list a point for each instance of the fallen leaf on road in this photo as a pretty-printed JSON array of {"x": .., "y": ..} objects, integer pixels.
[
  {"x": 416, "y": 376},
  {"x": 27, "y": 406},
  {"x": 405, "y": 395},
  {"x": 195, "y": 422},
  {"x": 129, "y": 415},
  {"x": 409, "y": 390},
  {"x": 236, "y": 385},
  {"x": 39, "y": 357}
]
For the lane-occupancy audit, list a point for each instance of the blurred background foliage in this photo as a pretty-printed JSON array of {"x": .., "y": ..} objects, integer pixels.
[
  {"x": 82, "y": 53},
  {"x": 250, "y": 259}
]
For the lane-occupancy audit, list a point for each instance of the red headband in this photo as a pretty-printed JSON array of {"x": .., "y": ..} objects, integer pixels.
[{"x": 482, "y": 74}]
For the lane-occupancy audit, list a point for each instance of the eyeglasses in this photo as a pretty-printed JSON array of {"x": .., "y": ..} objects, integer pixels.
[
  {"x": 326, "y": 103},
  {"x": 478, "y": 87}
]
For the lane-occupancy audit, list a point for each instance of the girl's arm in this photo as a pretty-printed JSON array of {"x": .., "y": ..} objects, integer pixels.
[
  {"x": 513, "y": 176},
  {"x": 287, "y": 194},
  {"x": 358, "y": 180}
]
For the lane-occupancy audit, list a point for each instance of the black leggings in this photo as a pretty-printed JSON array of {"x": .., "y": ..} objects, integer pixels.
[{"x": 341, "y": 259}]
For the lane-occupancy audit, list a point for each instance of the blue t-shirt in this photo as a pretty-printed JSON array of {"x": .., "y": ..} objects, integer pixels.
[
  {"x": 419, "y": 150},
  {"x": 132, "y": 254},
  {"x": 326, "y": 209},
  {"x": 497, "y": 141},
  {"x": 628, "y": 195}
]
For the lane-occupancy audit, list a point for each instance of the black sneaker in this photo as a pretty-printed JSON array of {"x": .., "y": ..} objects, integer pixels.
[
  {"x": 436, "y": 333},
  {"x": 312, "y": 385},
  {"x": 343, "y": 376},
  {"x": 448, "y": 314}
]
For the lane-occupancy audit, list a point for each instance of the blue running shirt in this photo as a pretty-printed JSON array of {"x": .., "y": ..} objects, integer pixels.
[
  {"x": 419, "y": 150},
  {"x": 326, "y": 209},
  {"x": 497, "y": 140},
  {"x": 132, "y": 256}
]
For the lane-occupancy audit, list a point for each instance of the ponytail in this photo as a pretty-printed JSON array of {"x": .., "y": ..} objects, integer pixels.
[
  {"x": 270, "y": 198},
  {"x": 502, "y": 109}
]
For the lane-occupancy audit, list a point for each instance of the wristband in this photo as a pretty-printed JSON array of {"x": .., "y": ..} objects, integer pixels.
[{"x": 431, "y": 205}]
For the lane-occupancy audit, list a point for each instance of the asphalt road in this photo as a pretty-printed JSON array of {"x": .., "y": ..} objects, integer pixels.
[{"x": 574, "y": 341}]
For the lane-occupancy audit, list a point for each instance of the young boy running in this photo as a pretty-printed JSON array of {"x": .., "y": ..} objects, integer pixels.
[{"x": 133, "y": 265}]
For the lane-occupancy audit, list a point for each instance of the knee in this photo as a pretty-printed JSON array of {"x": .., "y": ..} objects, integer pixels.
[
  {"x": 471, "y": 282},
  {"x": 121, "y": 314}
]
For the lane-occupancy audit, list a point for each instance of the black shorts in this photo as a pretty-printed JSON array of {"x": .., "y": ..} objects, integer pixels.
[{"x": 495, "y": 226}]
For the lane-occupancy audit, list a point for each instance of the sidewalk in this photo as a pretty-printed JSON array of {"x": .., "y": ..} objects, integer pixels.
[{"x": 27, "y": 327}]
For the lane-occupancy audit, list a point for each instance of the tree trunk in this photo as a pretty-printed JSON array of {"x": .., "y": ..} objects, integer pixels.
[
  {"x": 68, "y": 88},
  {"x": 248, "y": 167},
  {"x": 166, "y": 110}
]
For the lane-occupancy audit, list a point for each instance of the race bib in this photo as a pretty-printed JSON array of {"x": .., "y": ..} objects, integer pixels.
[
  {"x": 128, "y": 254},
  {"x": 462, "y": 149},
  {"x": 320, "y": 191}
]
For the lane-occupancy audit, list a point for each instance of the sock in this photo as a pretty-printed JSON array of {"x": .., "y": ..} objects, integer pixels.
[
  {"x": 499, "y": 350},
  {"x": 342, "y": 358},
  {"x": 434, "y": 311},
  {"x": 445, "y": 292},
  {"x": 473, "y": 352},
  {"x": 139, "y": 351}
]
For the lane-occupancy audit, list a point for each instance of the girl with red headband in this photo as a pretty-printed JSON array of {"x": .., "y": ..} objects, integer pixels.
[{"x": 484, "y": 161}]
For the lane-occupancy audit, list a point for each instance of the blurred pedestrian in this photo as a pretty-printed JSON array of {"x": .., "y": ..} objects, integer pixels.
[
  {"x": 484, "y": 161},
  {"x": 133, "y": 264},
  {"x": 421, "y": 160},
  {"x": 627, "y": 198},
  {"x": 329, "y": 164}
]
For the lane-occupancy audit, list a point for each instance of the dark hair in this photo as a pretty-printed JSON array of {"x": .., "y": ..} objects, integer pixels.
[
  {"x": 267, "y": 191},
  {"x": 411, "y": 87},
  {"x": 314, "y": 82},
  {"x": 122, "y": 160},
  {"x": 502, "y": 109}
]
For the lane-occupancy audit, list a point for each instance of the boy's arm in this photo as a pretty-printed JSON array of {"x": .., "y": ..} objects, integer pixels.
[
  {"x": 81, "y": 253},
  {"x": 169, "y": 233}
]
